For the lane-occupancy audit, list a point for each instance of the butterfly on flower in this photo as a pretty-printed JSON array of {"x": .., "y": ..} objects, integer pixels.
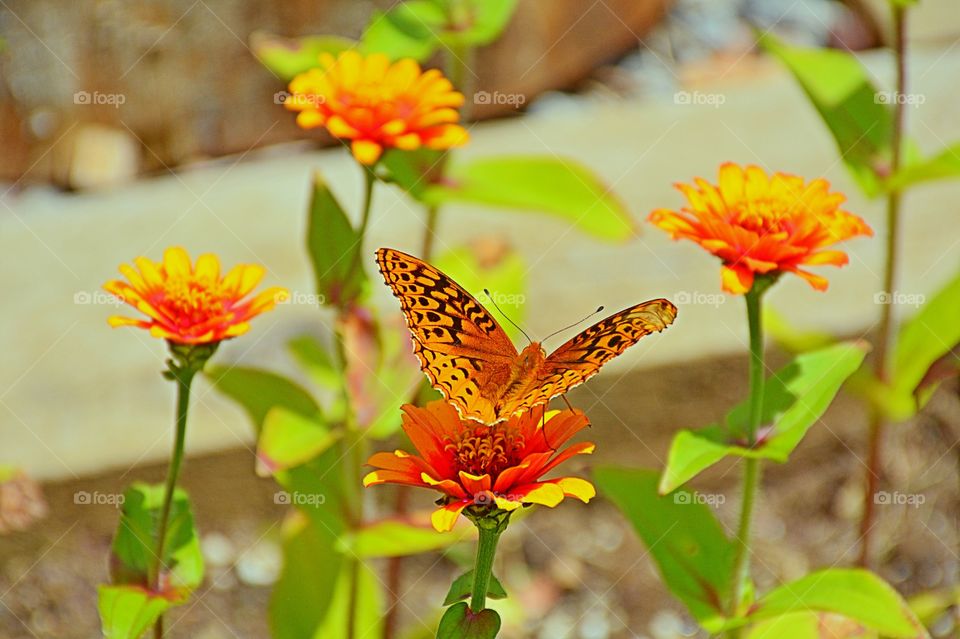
[{"x": 470, "y": 359}]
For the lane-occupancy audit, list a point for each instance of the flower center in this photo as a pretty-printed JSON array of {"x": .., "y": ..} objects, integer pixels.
[
  {"x": 192, "y": 302},
  {"x": 763, "y": 216},
  {"x": 485, "y": 449}
]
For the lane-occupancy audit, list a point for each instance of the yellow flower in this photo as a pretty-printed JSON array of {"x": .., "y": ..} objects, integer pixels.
[
  {"x": 378, "y": 105},
  {"x": 192, "y": 305},
  {"x": 759, "y": 224}
]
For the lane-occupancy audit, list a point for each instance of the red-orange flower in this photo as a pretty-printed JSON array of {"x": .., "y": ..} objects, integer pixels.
[
  {"x": 378, "y": 105},
  {"x": 760, "y": 224},
  {"x": 478, "y": 464},
  {"x": 192, "y": 305}
]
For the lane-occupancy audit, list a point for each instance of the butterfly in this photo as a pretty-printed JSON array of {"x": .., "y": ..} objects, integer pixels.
[{"x": 470, "y": 359}]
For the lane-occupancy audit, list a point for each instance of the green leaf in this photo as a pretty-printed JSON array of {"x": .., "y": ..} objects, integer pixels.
[
  {"x": 287, "y": 57},
  {"x": 462, "y": 588},
  {"x": 302, "y": 595},
  {"x": 333, "y": 245},
  {"x": 317, "y": 489},
  {"x": 459, "y": 622},
  {"x": 841, "y": 91},
  {"x": 257, "y": 391},
  {"x": 794, "y": 399},
  {"x": 135, "y": 542},
  {"x": 386, "y": 34},
  {"x": 693, "y": 554},
  {"x": 359, "y": 583},
  {"x": 126, "y": 612},
  {"x": 417, "y": 28},
  {"x": 413, "y": 171},
  {"x": 393, "y": 538},
  {"x": 316, "y": 362},
  {"x": 929, "y": 335},
  {"x": 856, "y": 594},
  {"x": 481, "y": 24},
  {"x": 288, "y": 439},
  {"x": 506, "y": 281},
  {"x": 560, "y": 187},
  {"x": 946, "y": 165}
]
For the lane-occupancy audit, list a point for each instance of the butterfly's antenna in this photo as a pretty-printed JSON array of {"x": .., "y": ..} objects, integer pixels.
[
  {"x": 505, "y": 316},
  {"x": 566, "y": 328}
]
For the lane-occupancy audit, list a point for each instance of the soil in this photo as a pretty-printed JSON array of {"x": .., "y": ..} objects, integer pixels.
[{"x": 577, "y": 571}]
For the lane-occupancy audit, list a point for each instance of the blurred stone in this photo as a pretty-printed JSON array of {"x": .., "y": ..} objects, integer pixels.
[
  {"x": 260, "y": 565},
  {"x": 21, "y": 502},
  {"x": 666, "y": 624},
  {"x": 94, "y": 156},
  {"x": 217, "y": 549},
  {"x": 595, "y": 624}
]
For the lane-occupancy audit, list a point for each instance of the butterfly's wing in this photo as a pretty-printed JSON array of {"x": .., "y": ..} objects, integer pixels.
[
  {"x": 462, "y": 349},
  {"x": 581, "y": 357}
]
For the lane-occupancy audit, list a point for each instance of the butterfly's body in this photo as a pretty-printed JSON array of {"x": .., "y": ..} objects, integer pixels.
[{"x": 471, "y": 360}]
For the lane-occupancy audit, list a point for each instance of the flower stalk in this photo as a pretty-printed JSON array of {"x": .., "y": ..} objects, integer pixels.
[
  {"x": 182, "y": 367},
  {"x": 884, "y": 332},
  {"x": 752, "y": 468},
  {"x": 490, "y": 527}
]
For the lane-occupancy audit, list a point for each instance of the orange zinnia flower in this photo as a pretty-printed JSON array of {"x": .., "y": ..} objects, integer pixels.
[
  {"x": 192, "y": 305},
  {"x": 378, "y": 105},
  {"x": 485, "y": 466},
  {"x": 759, "y": 224}
]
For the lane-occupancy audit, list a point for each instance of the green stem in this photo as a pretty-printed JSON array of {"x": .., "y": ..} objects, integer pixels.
[
  {"x": 184, "y": 378},
  {"x": 885, "y": 329},
  {"x": 486, "y": 551},
  {"x": 429, "y": 231},
  {"x": 459, "y": 58},
  {"x": 369, "y": 179},
  {"x": 751, "y": 469}
]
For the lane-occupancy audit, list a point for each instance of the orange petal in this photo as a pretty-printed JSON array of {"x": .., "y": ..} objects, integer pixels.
[
  {"x": 736, "y": 279},
  {"x": 444, "y": 518},
  {"x": 366, "y": 152},
  {"x": 176, "y": 262},
  {"x": 576, "y": 487}
]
